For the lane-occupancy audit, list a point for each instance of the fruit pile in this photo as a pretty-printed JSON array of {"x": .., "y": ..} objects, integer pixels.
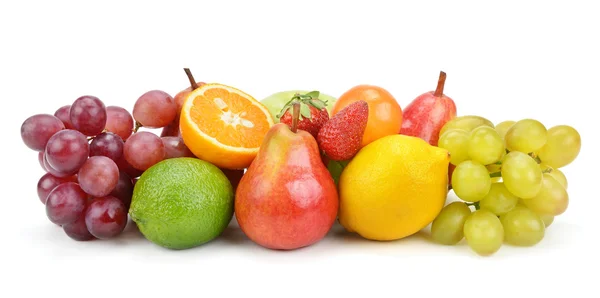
[
  {"x": 288, "y": 167},
  {"x": 93, "y": 154},
  {"x": 510, "y": 174}
]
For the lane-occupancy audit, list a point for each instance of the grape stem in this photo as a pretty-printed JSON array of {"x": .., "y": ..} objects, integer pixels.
[
  {"x": 193, "y": 83},
  {"x": 137, "y": 127},
  {"x": 475, "y": 204},
  {"x": 535, "y": 157},
  {"x": 495, "y": 174}
]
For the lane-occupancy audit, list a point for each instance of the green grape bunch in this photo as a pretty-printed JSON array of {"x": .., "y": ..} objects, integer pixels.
[{"x": 508, "y": 179}]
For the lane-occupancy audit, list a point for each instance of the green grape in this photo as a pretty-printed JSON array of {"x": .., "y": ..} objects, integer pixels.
[
  {"x": 526, "y": 136},
  {"x": 547, "y": 219},
  {"x": 456, "y": 142},
  {"x": 521, "y": 175},
  {"x": 447, "y": 227},
  {"x": 467, "y": 123},
  {"x": 503, "y": 127},
  {"x": 552, "y": 199},
  {"x": 562, "y": 147},
  {"x": 556, "y": 173},
  {"x": 522, "y": 227},
  {"x": 484, "y": 232},
  {"x": 499, "y": 200},
  {"x": 485, "y": 145},
  {"x": 471, "y": 181},
  {"x": 560, "y": 177}
]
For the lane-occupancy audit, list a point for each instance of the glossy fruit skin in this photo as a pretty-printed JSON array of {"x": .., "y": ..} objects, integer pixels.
[
  {"x": 88, "y": 115},
  {"x": 37, "y": 130},
  {"x": 155, "y": 109},
  {"x": 385, "y": 114},
  {"x": 65, "y": 203},
  {"x": 48, "y": 182},
  {"x": 425, "y": 116},
  {"x": 77, "y": 230},
  {"x": 106, "y": 217},
  {"x": 119, "y": 121},
  {"x": 287, "y": 198},
  {"x": 393, "y": 188}
]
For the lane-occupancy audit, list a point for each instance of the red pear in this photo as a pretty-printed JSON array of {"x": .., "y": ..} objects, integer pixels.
[
  {"x": 287, "y": 199},
  {"x": 425, "y": 116}
]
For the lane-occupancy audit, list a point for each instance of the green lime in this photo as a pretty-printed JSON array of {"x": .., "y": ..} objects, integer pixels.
[{"x": 180, "y": 203}]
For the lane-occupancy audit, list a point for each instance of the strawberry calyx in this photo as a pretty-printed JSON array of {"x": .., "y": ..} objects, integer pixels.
[{"x": 310, "y": 99}]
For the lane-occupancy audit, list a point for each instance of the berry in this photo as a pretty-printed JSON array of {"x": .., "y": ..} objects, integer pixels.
[
  {"x": 341, "y": 136},
  {"x": 313, "y": 113}
]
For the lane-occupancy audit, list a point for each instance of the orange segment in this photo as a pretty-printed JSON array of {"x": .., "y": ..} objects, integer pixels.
[{"x": 223, "y": 125}]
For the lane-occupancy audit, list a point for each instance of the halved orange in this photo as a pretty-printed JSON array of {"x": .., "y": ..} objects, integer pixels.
[{"x": 224, "y": 125}]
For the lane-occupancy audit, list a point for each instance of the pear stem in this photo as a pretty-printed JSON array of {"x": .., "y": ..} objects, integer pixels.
[
  {"x": 193, "y": 83},
  {"x": 295, "y": 116},
  {"x": 440, "y": 86}
]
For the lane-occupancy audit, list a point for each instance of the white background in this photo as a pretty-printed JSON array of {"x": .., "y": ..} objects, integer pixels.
[{"x": 505, "y": 61}]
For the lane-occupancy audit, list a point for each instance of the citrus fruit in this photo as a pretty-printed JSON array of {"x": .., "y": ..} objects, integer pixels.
[
  {"x": 385, "y": 114},
  {"x": 180, "y": 203},
  {"x": 223, "y": 125},
  {"x": 276, "y": 101},
  {"x": 393, "y": 187}
]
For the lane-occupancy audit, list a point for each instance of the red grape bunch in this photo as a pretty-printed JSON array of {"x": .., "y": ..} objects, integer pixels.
[{"x": 93, "y": 154}]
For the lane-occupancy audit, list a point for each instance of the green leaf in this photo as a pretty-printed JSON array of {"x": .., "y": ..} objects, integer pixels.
[
  {"x": 305, "y": 111},
  {"x": 336, "y": 168},
  {"x": 313, "y": 94},
  {"x": 318, "y": 104},
  {"x": 283, "y": 110}
]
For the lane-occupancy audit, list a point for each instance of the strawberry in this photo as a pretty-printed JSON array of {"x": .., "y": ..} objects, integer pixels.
[
  {"x": 313, "y": 113},
  {"x": 341, "y": 137}
]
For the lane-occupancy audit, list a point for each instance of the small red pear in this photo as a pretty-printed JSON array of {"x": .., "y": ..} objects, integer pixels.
[{"x": 425, "y": 116}]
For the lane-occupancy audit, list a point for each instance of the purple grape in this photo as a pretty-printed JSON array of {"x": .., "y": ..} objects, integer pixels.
[
  {"x": 88, "y": 115},
  {"x": 63, "y": 113},
  {"x": 98, "y": 176},
  {"x": 38, "y": 129},
  {"x": 41, "y": 161},
  {"x": 67, "y": 150},
  {"x": 106, "y": 217},
  {"x": 155, "y": 109},
  {"x": 124, "y": 189},
  {"x": 119, "y": 121},
  {"x": 107, "y": 144},
  {"x": 48, "y": 182},
  {"x": 65, "y": 203},
  {"x": 143, "y": 150},
  {"x": 77, "y": 230},
  {"x": 174, "y": 147},
  {"x": 54, "y": 172},
  {"x": 124, "y": 166},
  {"x": 171, "y": 130}
]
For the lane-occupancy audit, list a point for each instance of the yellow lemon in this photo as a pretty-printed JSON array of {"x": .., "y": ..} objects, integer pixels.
[{"x": 393, "y": 187}]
